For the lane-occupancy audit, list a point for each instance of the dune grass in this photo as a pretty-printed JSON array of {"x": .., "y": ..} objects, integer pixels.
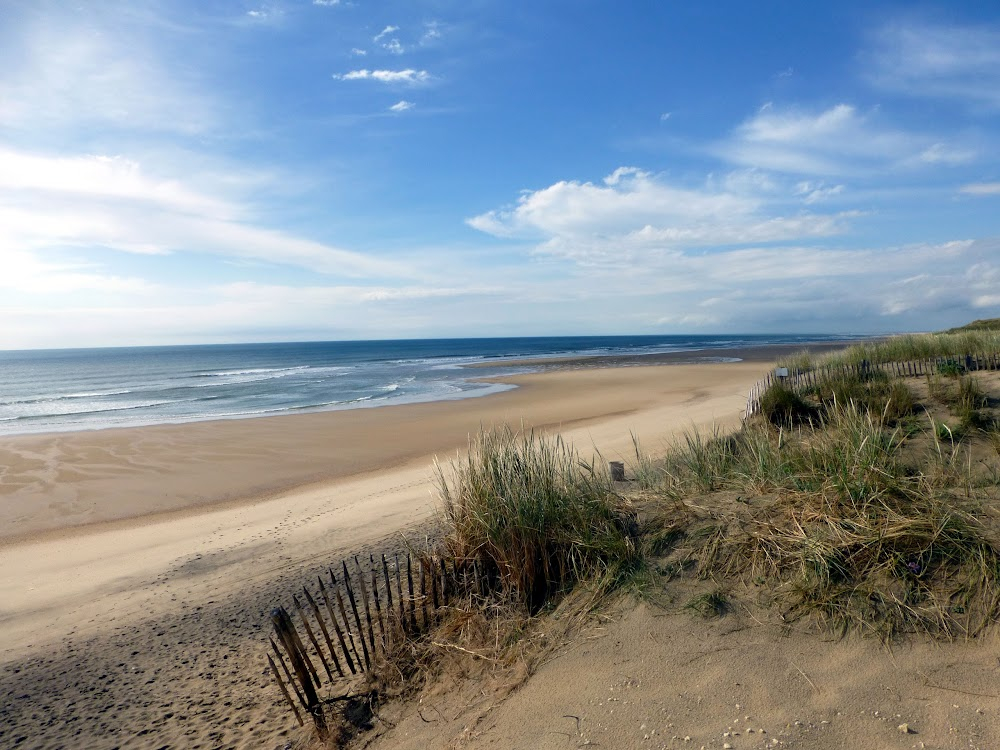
[
  {"x": 838, "y": 518},
  {"x": 535, "y": 518},
  {"x": 977, "y": 341}
]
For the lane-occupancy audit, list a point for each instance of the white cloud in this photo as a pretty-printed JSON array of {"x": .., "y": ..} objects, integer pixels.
[
  {"x": 634, "y": 214},
  {"x": 432, "y": 32},
  {"x": 402, "y": 106},
  {"x": 384, "y": 33},
  {"x": 941, "y": 153},
  {"x": 393, "y": 46},
  {"x": 359, "y": 52},
  {"x": 103, "y": 177},
  {"x": 326, "y": 3},
  {"x": 836, "y": 141},
  {"x": 665, "y": 116},
  {"x": 110, "y": 202},
  {"x": 981, "y": 188},
  {"x": 941, "y": 61},
  {"x": 814, "y": 192},
  {"x": 408, "y": 76}
]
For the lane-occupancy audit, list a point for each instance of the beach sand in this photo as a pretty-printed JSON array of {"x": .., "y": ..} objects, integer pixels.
[
  {"x": 138, "y": 566},
  {"x": 653, "y": 678}
]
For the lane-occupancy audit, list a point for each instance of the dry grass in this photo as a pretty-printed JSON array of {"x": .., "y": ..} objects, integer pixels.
[
  {"x": 841, "y": 519},
  {"x": 533, "y": 521},
  {"x": 535, "y": 518}
]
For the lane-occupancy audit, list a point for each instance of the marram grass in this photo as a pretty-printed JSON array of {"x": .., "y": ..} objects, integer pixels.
[
  {"x": 838, "y": 524},
  {"x": 535, "y": 517}
]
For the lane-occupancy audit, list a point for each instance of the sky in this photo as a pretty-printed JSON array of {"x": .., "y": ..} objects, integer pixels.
[{"x": 210, "y": 171}]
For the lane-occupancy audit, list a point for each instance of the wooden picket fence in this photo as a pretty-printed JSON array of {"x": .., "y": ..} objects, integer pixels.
[
  {"x": 359, "y": 612},
  {"x": 799, "y": 380}
]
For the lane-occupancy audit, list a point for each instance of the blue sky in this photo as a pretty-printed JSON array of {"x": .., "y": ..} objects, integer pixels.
[{"x": 213, "y": 171}]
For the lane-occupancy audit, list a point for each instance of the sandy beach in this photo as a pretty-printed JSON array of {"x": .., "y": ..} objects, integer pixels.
[{"x": 138, "y": 565}]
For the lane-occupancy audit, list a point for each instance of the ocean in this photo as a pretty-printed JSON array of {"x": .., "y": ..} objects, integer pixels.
[{"x": 86, "y": 389}]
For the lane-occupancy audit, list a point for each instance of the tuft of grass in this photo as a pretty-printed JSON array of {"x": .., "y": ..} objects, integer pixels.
[
  {"x": 869, "y": 390},
  {"x": 964, "y": 397},
  {"x": 713, "y": 603},
  {"x": 782, "y": 406},
  {"x": 536, "y": 518}
]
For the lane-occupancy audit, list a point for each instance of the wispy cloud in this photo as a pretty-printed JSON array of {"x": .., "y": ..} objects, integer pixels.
[
  {"x": 836, "y": 141},
  {"x": 389, "y": 43},
  {"x": 267, "y": 15},
  {"x": 408, "y": 76},
  {"x": 110, "y": 202},
  {"x": 981, "y": 188},
  {"x": 814, "y": 192},
  {"x": 433, "y": 30},
  {"x": 357, "y": 52},
  {"x": 27, "y": 274},
  {"x": 940, "y": 61},
  {"x": 72, "y": 73},
  {"x": 942, "y": 153},
  {"x": 402, "y": 106},
  {"x": 102, "y": 177},
  {"x": 326, "y": 3}
]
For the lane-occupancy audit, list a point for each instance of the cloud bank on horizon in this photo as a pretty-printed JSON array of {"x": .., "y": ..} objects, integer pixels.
[{"x": 176, "y": 172}]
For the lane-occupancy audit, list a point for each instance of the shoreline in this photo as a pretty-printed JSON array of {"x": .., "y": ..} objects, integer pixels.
[
  {"x": 761, "y": 353},
  {"x": 57, "y": 484}
]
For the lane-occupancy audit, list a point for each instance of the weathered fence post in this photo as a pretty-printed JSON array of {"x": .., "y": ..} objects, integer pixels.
[
  {"x": 617, "y": 471},
  {"x": 285, "y": 629}
]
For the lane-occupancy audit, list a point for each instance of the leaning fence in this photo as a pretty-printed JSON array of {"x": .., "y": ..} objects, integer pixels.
[
  {"x": 800, "y": 380},
  {"x": 338, "y": 630}
]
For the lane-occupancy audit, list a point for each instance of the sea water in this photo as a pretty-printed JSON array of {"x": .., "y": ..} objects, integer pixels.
[{"x": 83, "y": 389}]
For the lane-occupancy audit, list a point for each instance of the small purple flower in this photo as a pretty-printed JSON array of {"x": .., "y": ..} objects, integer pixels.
[{"x": 914, "y": 567}]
